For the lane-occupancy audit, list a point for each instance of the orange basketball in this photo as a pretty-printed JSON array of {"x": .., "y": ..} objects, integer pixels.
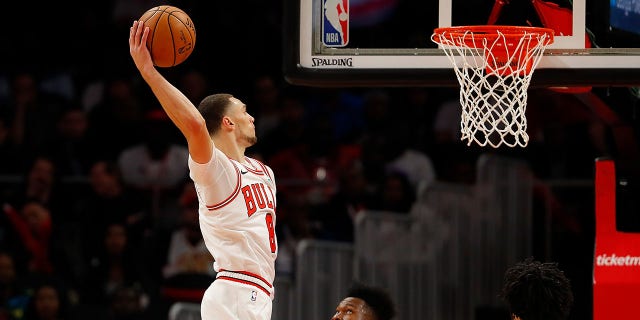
[{"x": 172, "y": 35}]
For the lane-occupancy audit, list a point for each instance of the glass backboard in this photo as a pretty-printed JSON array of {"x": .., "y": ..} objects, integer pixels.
[{"x": 387, "y": 42}]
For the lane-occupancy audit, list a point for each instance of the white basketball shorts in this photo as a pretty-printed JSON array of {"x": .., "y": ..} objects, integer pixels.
[{"x": 229, "y": 300}]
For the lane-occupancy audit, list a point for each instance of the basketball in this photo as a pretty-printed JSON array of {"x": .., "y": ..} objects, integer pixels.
[{"x": 172, "y": 35}]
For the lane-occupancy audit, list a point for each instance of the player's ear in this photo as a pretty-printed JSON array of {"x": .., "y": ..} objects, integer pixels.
[{"x": 227, "y": 122}]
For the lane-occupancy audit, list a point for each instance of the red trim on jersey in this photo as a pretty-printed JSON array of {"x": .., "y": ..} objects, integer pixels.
[
  {"x": 250, "y": 275},
  {"x": 253, "y": 169},
  {"x": 233, "y": 195},
  {"x": 264, "y": 168},
  {"x": 246, "y": 282}
]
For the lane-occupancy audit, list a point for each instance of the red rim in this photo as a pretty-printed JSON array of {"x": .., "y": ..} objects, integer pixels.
[
  {"x": 471, "y": 34},
  {"x": 503, "y": 61}
]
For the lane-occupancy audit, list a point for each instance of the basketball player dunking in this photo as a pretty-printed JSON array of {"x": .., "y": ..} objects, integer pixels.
[{"x": 236, "y": 193}]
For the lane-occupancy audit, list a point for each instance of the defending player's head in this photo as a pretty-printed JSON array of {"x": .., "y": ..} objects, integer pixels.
[
  {"x": 537, "y": 291},
  {"x": 225, "y": 111},
  {"x": 365, "y": 303}
]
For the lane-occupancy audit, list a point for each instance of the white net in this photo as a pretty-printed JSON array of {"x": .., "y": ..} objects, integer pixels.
[{"x": 494, "y": 69}]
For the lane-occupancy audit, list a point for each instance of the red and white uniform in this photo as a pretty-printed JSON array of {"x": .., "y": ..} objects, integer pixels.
[{"x": 237, "y": 220}]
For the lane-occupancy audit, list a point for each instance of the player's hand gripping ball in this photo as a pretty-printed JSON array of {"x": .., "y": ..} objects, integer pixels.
[{"x": 172, "y": 35}]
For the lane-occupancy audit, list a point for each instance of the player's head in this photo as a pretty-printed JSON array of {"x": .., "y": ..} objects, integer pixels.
[
  {"x": 223, "y": 110},
  {"x": 365, "y": 303},
  {"x": 537, "y": 291}
]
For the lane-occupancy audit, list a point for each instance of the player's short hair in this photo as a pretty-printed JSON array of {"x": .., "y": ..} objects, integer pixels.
[
  {"x": 537, "y": 291},
  {"x": 213, "y": 108},
  {"x": 376, "y": 299}
]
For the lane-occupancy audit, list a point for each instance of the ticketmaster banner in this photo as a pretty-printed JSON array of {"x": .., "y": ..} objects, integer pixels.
[{"x": 616, "y": 262}]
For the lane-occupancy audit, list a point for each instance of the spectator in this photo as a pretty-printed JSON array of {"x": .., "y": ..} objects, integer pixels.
[
  {"x": 266, "y": 99},
  {"x": 40, "y": 181},
  {"x": 446, "y": 126},
  {"x": 156, "y": 167},
  {"x": 396, "y": 194},
  {"x": 128, "y": 303},
  {"x": 113, "y": 267},
  {"x": 300, "y": 153},
  {"x": 383, "y": 138},
  {"x": 290, "y": 129},
  {"x": 195, "y": 85},
  {"x": 49, "y": 302},
  {"x": 32, "y": 113},
  {"x": 114, "y": 119},
  {"x": 70, "y": 147},
  {"x": 42, "y": 184},
  {"x": 108, "y": 200},
  {"x": 32, "y": 227},
  {"x": 187, "y": 252},
  {"x": 158, "y": 161},
  {"x": 412, "y": 162},
  {"x": 293, "y": 227},
  {"x": 343, "y": 109},
  {"x": 188, "y": 267},
  {"x": 336, "y": 217},
  {"x": 13, "y": 294}
]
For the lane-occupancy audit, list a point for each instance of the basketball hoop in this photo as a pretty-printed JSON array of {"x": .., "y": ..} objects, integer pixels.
[{"x": 493, "y": 65}]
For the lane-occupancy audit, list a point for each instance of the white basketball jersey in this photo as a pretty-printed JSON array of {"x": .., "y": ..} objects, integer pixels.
[{"x": 237, "y": 214}]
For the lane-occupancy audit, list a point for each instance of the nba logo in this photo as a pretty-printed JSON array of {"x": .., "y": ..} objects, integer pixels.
[
  {"x": 254, "y": 295},
  {"x": 335, "y": 23}
]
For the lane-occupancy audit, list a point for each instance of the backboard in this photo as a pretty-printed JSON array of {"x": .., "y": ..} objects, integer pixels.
[{"x": 387, "y": 42}]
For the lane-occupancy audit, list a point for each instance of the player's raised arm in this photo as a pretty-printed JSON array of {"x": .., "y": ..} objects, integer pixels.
[{"x": 177, "y": 106}]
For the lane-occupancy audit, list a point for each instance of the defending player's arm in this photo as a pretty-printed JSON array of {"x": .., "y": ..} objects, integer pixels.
[{"x": 177, "y": 106}]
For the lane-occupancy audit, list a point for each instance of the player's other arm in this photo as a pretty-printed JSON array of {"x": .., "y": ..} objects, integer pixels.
[{"x": 177, "y": 106}]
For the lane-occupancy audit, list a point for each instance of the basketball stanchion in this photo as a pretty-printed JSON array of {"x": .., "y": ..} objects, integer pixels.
[{"x": 494, "y": 65}]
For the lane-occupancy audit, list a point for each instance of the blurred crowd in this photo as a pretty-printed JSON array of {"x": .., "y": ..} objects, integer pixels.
[{"x": 99, "y": 217}]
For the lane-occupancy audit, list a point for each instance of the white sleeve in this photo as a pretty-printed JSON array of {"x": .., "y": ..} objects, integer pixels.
[{"x": 214, "y": 180}]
